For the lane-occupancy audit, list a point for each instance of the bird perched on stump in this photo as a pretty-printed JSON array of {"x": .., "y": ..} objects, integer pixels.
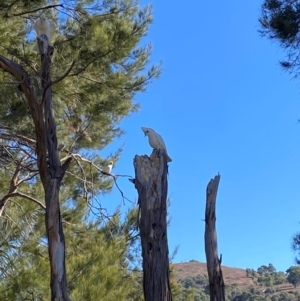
[
  {"x": 156, "y": 141},
  {"x": 44, "y": 26}
]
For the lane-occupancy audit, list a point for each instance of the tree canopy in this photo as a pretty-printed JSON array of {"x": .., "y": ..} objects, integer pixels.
[
  {"x": 293, "y": 276},
  {"x": 99, "y": 65}
]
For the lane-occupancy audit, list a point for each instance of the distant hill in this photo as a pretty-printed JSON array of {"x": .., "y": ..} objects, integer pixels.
[
  {"x": 264, "y": 284},
  {"x": 194, "y": 268}
]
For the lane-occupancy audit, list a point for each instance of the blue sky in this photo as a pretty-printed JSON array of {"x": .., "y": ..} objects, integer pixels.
[{"x": 223, "y": 105}]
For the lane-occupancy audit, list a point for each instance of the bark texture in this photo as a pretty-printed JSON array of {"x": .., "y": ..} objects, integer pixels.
[
  {"x": 215, "y": 276},
  {"x": 55, "y": 173},
  {"x": 152, "y": 185}
]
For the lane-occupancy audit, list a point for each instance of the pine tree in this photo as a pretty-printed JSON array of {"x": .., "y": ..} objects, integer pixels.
[
  {"x": 97, "y": 68},
  {"x": 279, "y": 21},
  {"x": 98, "y": 266}
]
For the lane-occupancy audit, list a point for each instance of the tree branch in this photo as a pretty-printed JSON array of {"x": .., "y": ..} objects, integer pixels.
[
  {"x": 13, "y": 184},
  {"x": 65, "y": 165},
  {"x": 9, "y": 136},
  {"x": 27, "y": 87},
  {"x": 25, "y": 196},
  {"x": 34, "y": 10},
  {"x": 28, "y": 177},
  {"x": 114, "y": 177},
  {"x": 59, "y": 78},
  {"x": 14, "y": 180}
]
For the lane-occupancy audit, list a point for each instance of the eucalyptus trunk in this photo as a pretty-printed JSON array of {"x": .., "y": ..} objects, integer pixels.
[{"x": 54, "y": 175}]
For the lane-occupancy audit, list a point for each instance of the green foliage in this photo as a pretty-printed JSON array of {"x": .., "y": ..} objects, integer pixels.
[
  {"x": 266, "y": 269},
  {"x": 293, "y": 275},
  {"x": 279, "y": 21},
  {"x": 176, "y": 288},
  {"x": 296, "y": 245},
  {"x": 190, "y": 295},
  {"x": 269, "y": 285},
  {"x": 97, "y": 264},
  {"x": 110, "y": 65},
  {"x": 193, "y": 288},
  {"x": 266, "y": 276}
]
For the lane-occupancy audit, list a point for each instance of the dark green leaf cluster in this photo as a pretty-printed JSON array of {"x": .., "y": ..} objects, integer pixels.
[
  {"x": 280, "y": 21},
  {"x": 293, "y": 275},
  {"x": 296, "y": 245}
]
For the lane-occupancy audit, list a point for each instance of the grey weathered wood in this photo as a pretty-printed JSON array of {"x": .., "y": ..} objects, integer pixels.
[
  {"x": 54, "y": 174},
  {"x": 152, "y": 185},
  {"x": 216, "y": 281}
]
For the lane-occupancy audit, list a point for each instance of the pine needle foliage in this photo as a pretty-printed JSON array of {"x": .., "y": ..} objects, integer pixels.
[
  {"x": 279, "y": 21},
  {"x": 98, "y": 266},
  {"x": 99, "y": 65}
]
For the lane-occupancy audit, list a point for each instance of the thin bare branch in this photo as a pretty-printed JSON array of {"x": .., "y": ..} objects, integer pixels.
[
  {"x": 14, "y": 180},
  {"x": 78, "y": 157},
  {"x": 65, "y": 166},
  {"x": 122, "y": 194},
  {"x": 25, "y": 196},
  {"x": 91, "y": 79},
  {"x": 34, "y": 10},
  {"x": 59, "y": 78},
  {"x": 9, "y": 136},
  {"x": 29, "y": 176},
  {"x": 13, "y": 184}
]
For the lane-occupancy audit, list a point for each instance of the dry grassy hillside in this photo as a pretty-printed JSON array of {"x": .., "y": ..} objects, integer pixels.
[
  {"x": 194, "y": 268},
  {"x": 236, "y": 277}
]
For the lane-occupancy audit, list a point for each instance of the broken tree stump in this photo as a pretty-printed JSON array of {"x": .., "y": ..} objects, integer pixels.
[
  {"x": 152, "y": 185},
  {"x": 215, "y": 276}
]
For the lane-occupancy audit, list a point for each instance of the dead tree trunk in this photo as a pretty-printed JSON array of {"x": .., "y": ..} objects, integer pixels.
[
  {"x": 215, "y": 276},
  {"x": 152, "y": 186}
]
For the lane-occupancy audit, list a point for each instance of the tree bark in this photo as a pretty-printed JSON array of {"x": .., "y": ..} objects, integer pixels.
[
  {"x": 215, "y": 276},
  {"x": 152, "y": 186},
  {"x": 55, "y": 173}
]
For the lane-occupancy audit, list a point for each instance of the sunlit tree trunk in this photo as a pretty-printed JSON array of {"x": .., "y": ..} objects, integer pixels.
[
  {"x": 152, "y": 185},
  {"x": 215, "y": 276}
]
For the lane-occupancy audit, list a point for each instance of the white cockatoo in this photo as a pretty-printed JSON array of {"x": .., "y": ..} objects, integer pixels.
[
  {"x": 108, "y": 168},
  {"x": 156, "y": 141},
  {"x": 44, "y": 26}
]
